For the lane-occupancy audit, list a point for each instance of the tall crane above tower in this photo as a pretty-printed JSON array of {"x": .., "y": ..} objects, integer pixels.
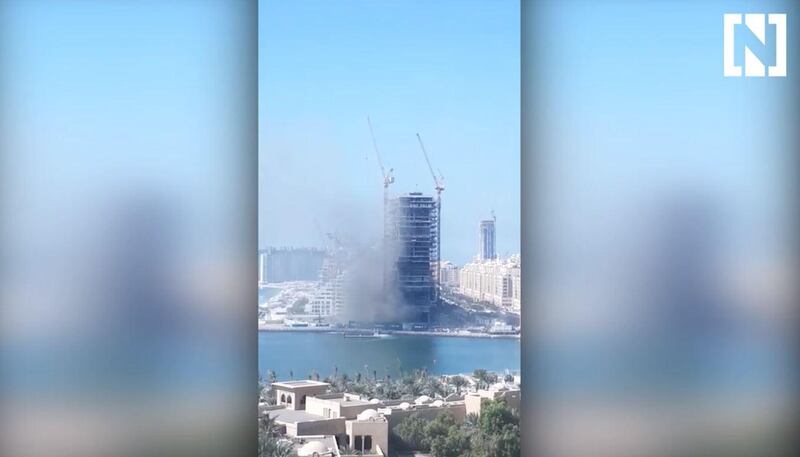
[
  {"x": 388, "y": 177},
  {"x": 438, "y": 186}
]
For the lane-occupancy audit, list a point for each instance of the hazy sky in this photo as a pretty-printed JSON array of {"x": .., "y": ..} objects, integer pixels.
[
  {"x": 636, "y": 120},
  {"x": 447, "y": 69},
  {"x": 638, "y": 110},
  {"x": 104, "y": 99}
]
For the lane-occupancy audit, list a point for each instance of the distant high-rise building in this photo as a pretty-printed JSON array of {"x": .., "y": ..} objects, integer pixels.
[
  {"x": 411, "y": 232},
  {"x": 289, "y": 264},
  {"x": 487, "y": 249}
]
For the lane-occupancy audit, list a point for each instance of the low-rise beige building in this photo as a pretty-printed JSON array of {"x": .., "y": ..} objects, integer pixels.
[
  {"x": 474, "y": 401},
  {"x": 396, "y": 412},
  {"x": 319, "y": 422},
  {"x": 337, "y": 405},
  {"x": 315, "y": 419},
  {"x": 316, "y": 446},
  {"x": 367, "y": 433},
  {"x": 300, "y": 423},
  {"x": 293, "y": 394}
]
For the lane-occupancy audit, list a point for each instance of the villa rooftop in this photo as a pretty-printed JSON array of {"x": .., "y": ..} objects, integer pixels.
[
  {"x": 344, "y": 399},
  {"x": 290, "y": 416},
  {"x": 300, "y": 383},
  {"x": 316, "y": 445}
]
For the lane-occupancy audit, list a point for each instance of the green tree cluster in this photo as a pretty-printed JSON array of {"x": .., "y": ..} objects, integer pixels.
[
  {"x": 494, "y": 434},
  {"x": 269, "y": 443},
  {"x": 408, "y": 386}
]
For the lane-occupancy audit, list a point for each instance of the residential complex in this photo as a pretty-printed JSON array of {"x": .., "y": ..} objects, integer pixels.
[
  {"x": 448, "y": 274},
  {"x": 495, "y": 281},
  {"x": 315, "y": 420},
  {"x": 328, "y": 300}
]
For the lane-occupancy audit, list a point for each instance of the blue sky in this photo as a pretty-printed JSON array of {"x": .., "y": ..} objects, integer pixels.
[
  {"x": 447, "y": 69},
  {"x": 124, "y": 97},
  {"x": 637, "y": 111}
]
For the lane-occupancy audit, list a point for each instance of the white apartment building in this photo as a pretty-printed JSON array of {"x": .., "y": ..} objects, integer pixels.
[
  {"x": 329, "y": 297},
  {"x": 493, "y": 281},
  {"x": 449, "y": 275}
]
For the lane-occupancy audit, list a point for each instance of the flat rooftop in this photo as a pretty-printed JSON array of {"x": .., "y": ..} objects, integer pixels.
[
  {"x": 290, "y": 416},
  {"x": 299, "y": 384},
  {"x": 345, "y": 402},
  {"x": 340, "y": 398}
]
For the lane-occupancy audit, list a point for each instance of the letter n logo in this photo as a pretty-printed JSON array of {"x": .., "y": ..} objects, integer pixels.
[{"x": 758, "y": 45}]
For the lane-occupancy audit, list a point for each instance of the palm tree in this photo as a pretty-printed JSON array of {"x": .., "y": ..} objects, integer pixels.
[
  {"x": 269, "y": 444},
  {"x": 343, "y": 381},
  {"x": 458, "y": 382},
  {"x": 480, "y": 376},
  {"x": 439, "y": 388},
  {"x": 413, "y": 390}
]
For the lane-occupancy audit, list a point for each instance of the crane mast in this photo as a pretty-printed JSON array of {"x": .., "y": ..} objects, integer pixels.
[{"x": 388, "y": 178}]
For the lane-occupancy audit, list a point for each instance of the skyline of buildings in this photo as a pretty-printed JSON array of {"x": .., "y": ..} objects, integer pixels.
[{"x": 410, "y": 282}]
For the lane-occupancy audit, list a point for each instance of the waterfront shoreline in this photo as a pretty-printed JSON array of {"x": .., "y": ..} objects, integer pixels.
[{"x": 276, "y": 328}]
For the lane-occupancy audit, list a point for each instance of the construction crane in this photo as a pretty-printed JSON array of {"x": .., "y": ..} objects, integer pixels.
[
  {"x": 438, "y": 185},
  {"x": 437, "y": 181},
  {"x": 388, "y": 177}
]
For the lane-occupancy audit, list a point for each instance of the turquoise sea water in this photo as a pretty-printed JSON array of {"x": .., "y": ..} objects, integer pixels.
[{"x": 305, "y": 352}]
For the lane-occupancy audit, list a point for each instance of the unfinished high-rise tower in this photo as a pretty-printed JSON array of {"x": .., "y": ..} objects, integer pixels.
[
  {"x": 487, "y": 245},
  {"x": 411, "y": 231}
]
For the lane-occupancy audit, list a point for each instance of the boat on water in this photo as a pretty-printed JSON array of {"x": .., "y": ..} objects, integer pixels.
[
  {"x": 366, "y": 335},
  {"x": 501, "y": 328},
  {"x": 294, "y": 324}
]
